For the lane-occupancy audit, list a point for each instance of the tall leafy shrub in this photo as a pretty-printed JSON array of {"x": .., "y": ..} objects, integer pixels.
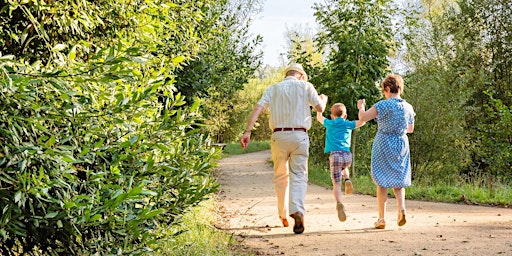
[
  {"x": 97, "y": 147},
  {"x": 489, "y": 44},
  {"x": 95, "y": 167},
  {"x": 495, "y": 140},
  {"x": 357, "y": 37}
]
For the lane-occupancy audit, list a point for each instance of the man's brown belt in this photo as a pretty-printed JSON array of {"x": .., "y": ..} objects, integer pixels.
[{"x": 289, "y": 129}]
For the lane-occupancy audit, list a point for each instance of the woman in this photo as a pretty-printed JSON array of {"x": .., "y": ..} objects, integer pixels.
[{"x": 390, "y": 151}]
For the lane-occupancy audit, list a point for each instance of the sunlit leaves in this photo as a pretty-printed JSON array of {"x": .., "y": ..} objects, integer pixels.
[
  {"x": 358, "y": 38},
  {"x": 97, "y": 148}
]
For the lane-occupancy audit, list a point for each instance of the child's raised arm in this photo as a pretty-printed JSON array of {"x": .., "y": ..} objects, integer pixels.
[{"x": 320, "y": 117}]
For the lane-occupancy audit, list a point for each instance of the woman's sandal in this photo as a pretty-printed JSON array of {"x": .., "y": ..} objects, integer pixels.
[
  {"x": 401, "y": 218},
  {"x": 380, "y": 224}
]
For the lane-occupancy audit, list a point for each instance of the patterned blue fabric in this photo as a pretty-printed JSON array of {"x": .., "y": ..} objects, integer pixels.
[
  {"x": 391, "y": 166},
  {"x": 338, "y": 133}
]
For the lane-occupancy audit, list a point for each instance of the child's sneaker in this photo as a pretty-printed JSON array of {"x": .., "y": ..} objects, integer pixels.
[
  {"x": 342, "y": 216},
  {"x": 349, "y": 189}
]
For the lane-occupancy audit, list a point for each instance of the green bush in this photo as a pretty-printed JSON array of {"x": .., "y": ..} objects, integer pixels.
[
  {"x": 94, "y": 167},
  {"x": 494, "y": 147},
  {"x": 98, "y": 149}
]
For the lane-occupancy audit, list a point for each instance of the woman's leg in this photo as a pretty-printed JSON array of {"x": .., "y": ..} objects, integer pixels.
[
  {"x": 400, "y": 198},
  {"x": 400, "y": 202},
  {"x": 382, "y": 198}
]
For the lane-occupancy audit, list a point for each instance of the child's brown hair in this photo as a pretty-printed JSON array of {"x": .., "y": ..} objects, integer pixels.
[{"x": 338, "y": 110}]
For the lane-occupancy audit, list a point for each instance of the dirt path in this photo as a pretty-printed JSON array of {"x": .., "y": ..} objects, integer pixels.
[{"x": 248, "y": 210}]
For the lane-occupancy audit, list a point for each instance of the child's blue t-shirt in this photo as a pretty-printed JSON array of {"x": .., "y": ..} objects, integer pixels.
[{"x": 338, "y": 133}]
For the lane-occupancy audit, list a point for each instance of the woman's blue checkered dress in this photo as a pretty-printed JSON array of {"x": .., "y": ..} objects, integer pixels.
[{"x": 391, "y": 167}]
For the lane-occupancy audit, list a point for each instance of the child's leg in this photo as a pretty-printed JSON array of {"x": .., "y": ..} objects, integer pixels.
[
  {"x": 349, "y": 189},
  {"x": 337, "y": 173},
  {"x": 336, "y": 190},
  {"x": 336, "y": 176},
  {"x": 346, "y": 175}
]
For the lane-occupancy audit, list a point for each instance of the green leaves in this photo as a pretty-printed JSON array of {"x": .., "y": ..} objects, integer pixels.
[
  {"x": 97, "y": 148},
  {"x": 358, "y": 37},
  {"x": 466, "y": 79}
]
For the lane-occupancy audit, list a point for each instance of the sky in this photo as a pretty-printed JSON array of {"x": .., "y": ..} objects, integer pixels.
[{"x": 272, "y": 22}]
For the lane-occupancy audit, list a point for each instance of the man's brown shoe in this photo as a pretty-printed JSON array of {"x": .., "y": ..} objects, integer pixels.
[
  {"x": 298, "y": 227},
  {"x": 285, "y": 222}
]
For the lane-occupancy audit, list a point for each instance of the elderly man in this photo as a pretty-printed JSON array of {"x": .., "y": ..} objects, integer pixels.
[{"x": 290, "y": 119}]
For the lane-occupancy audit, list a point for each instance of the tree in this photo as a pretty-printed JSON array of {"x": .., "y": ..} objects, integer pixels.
[
  {"x": 358, "y": 38},
  {"x": 302, "y": 48},
  {"x": 459, "y": 60},
  {"x": 222, "y": 68},
  {"x": 483, "y": 45},
  {"x": 438, "y": 146}
]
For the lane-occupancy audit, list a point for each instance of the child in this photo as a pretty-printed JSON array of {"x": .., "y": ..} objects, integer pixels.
[{"x": 337, "y": 143}]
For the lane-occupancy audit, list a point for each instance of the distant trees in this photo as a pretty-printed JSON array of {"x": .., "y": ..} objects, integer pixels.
[
  {"x": 460, "y": 79},
  {"x": 226, "y": 62},
  {"x": 457, "y": 74}
]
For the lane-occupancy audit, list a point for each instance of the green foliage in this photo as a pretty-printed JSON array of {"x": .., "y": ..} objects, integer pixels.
[
  {"x": 317, "y": 144},
  {"x": 438, "y": 145},
  {"x": 223, "y": 66},
  {"x": 320, "y": 175},
  {"x": 227, "y": 60},
  {"x": 240, "y": 105},
  {"x": 83, "y": 163},
  {"x": 435, "y": 190},
  {"x": 485, "y": 46},
  {"x": 458, "y": 59},
  {"x": 357, "y": 37},
  {"x": 302, "y": 48},
  {"x": 35, "y": 30},
  {"x": 495, "y": 141},
  {"x": 98, "y": 150}
]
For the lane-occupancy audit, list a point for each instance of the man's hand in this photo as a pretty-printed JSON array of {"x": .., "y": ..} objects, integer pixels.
[
  {"x": 322, "y": 104},
  {"x": 244, "y": 141},
  {"x": 323, "y": 97}
]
